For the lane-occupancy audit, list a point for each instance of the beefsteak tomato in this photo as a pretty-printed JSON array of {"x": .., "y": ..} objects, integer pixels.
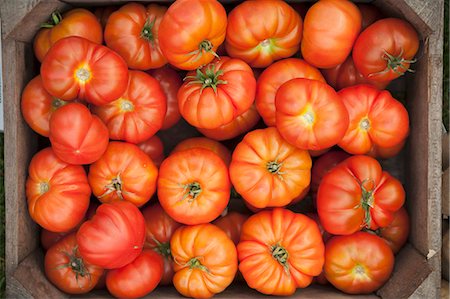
[
  {"x": 202, "y": 142},
  {"x": 231, "y": 223},
  {"x": 396, "y": 234},
  {"x": 154, "y": 148}
]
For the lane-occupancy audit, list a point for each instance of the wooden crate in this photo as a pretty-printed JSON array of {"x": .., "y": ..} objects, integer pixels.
[{"x": 417, "y": 271}]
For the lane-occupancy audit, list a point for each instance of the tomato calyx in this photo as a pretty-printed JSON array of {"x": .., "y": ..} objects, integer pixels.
[
  {"x": 194, "y": 263},
  {"x": 76, "y": 264},
  {"x": 393, "y": 63},
  {"x": 44, "y": 187},
  {"x": 57, "y": 103},
  {"x": 55, "y": 19},
  {"x": 281, "y": 255},
  {"x": 204, "y": 47},
  {"x": 367, "y": 200},
  {"x": 162, "y": 248},
  {"x": 274, "y": 167},
  {"x": 359, "y": 270},
  {"x": 193, "y": 190},
  {"x": 147, "y": 31},
  {"x": 114, "y": 186},
  {"x": 210, "y": 78},
  {"x": 126, "y": 105},
  {"x": 364, "y": 124}
]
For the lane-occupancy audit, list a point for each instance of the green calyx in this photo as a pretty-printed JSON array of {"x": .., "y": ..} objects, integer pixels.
[
  {"x": 114, "y": 186},
  {"x": 367, "y": 200},
  {"x": 204, "y": 47},
  {"x": 281, "y": 255},
  {"x": 194, "y": 263},
  {"x": 210, "y": 78},
  {"x": 274, "y": 167},
  {"x": 55, "y": 19},
  {"x": 147, "y": 30},
  {"x": 57, "y": 103},
  {"x": 192, "y": 190},
  {"x": 76, "y": 264},
  {"x": 162, "y": 248},
  {"x": 395, "y": 64}
]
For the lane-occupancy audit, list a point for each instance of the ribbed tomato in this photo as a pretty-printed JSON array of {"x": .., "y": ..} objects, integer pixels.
[
  {"x": 231, "y": 223},
  {"x": 206, "y": 143},
  {"x": 154, "y": 148},
  {"x": 396, "y": 234}
]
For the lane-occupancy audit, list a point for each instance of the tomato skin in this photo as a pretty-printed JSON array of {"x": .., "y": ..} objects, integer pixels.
[
  {"x": 103, "y": 13},
  {"x": 154, "y": 148},
  {"x": 132, "y": 31},
  {"x": 206, "y": 143},
  {"x": 114, "y": 237},
  {"x": 261, "y": 32},
  {"x": 75, "y": 68},
  {"x": 124, "y": 172},
  {"x": 76, "y": 22},
  {"x": 267, "y": 171},
  {"x": 159, "y": 229},
  {"x": 330, "y": 26},
  {"x": 396, "y": 234},
  {"x": 285, "y": 232},
  {"x": 240, "y": 125},
  {"x": 206, "y": 260},
  {"x": 376, "y": 119},
  {"x": 276, "y": 75},
  {"x": 138, "y": 278},
  {"x": 196, "y": 43},
  {"x": 231, "y": 224},
  {"x": 305, "y": 112},
  {"x": 138, "y": 113},
  {"x": 359, "y": 263},
  {"x": 59, "y": 270},
  {"x": 57, "y": 193},
  {"x": 380, "y": 152},
  {"x": 170, "y": 82},
  {"x": 181, "y": 178},
  {"x": 77, "y": 136},
  {"x": 341, "y": 190},
  {"x": 369, "y": 14},
  {"x": 393, "y": 36},
  {"x": 202, "y": 107}
]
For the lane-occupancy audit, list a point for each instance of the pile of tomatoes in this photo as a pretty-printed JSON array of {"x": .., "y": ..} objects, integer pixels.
[{"x": 300, "y": 128}]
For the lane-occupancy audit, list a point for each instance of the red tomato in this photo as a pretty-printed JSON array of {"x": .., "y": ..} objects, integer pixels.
[
  {"x": 386, "y": 152},
  {"x": 231, "y": 223},
  {"x": 103, "y": 13},
  {"x": 75, "y": 68},
  {"x": 48, "y": 238},
  {"x": 273, "y": 77},
  {"x": 240, "y": 125},
  {"x": 396, "y": 234},
  {"x": 76, "y": 22},
  {"x": 191, "y": 194},
  {"x": 189, "y": 44},
  {"x": 309, "y": 114},
  {"x": 114, "y": 237},
  {"x": 77, "y": 136},
  {"x": 132, "y": 31},
  {"x": 385, "y": 49},
  {"x": 358, "y": 194},
  {"x": 159, "y": 229},
  {"x": 376, "y": 119},
  {"x": 369, "y": 14},
  {"x": 139, "y": 113},
  {"x": 217, "y": 93},
  {"x": 154, "y": 148},
  {"x": 329, "y": 32},
  {"x": 124, "y": 172},
  {"x": 202, "y": 142},
  {"x": 267, "y": 171},
  {"x": 138, "y": 278},
  {"x": 170, "y": 82},
  {"x": 318, "y": 153},
  {"x": 261, "y": 32},
  {"x": 359, "y": 263},
  {"x": 38, "y": 105},
  {"x": 283, "y": 245},
  {"x": 67, "y": 270},
  {"x": 57, "y": 193}
]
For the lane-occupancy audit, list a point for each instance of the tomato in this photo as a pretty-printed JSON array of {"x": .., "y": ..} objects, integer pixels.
[
  {"x": 329, "y": 32},
  {"x": 309, "y": 114},
  {"x": 322, "y": 166},
  {"x": 386, "y": 152},
  {"x": 240, "y": 125},
  {"x": 273, "y": 77},
  {"x": 170, "y": 82},
  {"x": 138, "y": 278},
  {"x": 202, "y": 142},
  {"x": 77, "y": 136},
  {"x": 75, "y": 68},
  {"x": 67, "y": 270},
  {"x": 359, "y": 263},
  {"x": 261, "y": 32},
  {"x": 159, "y": 229},
  {"x": 154, "y": 148},
  {"x": 369, "y": 14},
  {"x": 358, "y": 194},
  {"x": 49, "y": 238},
  {"x": 37, "y": 106},
  {"x": 345, "y": 75},
  {"x": 217, "y": 93},
  {"x": 76, "y": 22},
  {"x": 139, "y": 113},
  {"x": 283, "y": 245},
  {"x": 193, "y": 186},
  {"x": 132, "y": 31},
  {"x": 318, "y": 153},
  {"x": 191, "y": 31},
  {"x": 124, "y": 172},
  {"x": 103, "y": 13},
  {"x": 205, "y": 260},
  {"x": 57, "y": 193},
  {"x": 114, "y": 237},
  {"x": 376, "y": 118},
  {"x": 231, "y": 223},
  {"x": 385, "y": 50},
  {"x": 267, "y": 171},
  {"x": 396, "y": 234}
]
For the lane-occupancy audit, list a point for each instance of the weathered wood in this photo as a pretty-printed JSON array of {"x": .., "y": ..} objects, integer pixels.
[{"x": 445, "y": 292}]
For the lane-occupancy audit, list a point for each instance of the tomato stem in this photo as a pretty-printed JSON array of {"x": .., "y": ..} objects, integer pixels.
[
  {"x": 274, "y": 167},
  {"x": 281, "y": 255},
  {"x": 364, "y": 124},
  {"x": 114, "y": 186},
  {"x": 210, "y": 78},
  {"x": 204, "y": 46},
  {"x": 193, "y": 190},
  {"x": 367, "y": 200},
  {"x": 57, "y": 103},
  {"x": 195, "y": 263},
  {"x": 162, "y": 248},
  {"x": 55, "y": 19},
  {"x": 147, "y": 30},
  {"x": 76, "y": 264},
  {"x": 44, "y": 187},
  {"x": 395, "y": 64}
]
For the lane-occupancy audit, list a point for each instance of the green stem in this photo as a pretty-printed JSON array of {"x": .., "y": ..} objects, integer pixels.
[
  {"x": 210, "y": 78},
  {"x": 192, "y": 190},
  {"x": 367, "y": 200},
  {"x": 55, "y": 19},
  {"x": 281, "y": 255}
]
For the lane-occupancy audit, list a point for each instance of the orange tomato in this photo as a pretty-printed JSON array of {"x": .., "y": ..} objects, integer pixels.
[{"x": 202, "y": 142}]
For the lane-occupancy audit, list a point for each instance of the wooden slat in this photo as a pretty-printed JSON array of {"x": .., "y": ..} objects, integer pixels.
[{"x": 445, "y": 292}]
